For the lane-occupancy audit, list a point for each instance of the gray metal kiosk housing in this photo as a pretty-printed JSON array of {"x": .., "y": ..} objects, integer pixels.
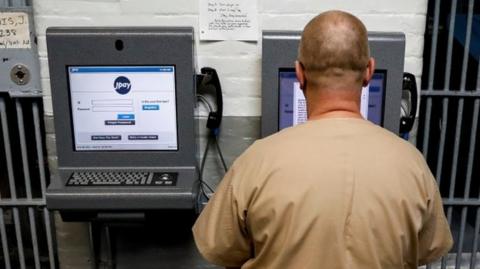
[
  {"x": 140, "y": 46},
  {"x": 280, "y": 51}
]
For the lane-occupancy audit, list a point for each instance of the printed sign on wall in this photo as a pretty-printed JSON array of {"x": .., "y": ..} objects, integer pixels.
[{"x": 228, "y": 20}]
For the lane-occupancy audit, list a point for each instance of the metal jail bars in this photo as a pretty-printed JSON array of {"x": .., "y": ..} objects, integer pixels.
[
  {"x": 25, "y": 223},
  {"x": 449, "y": 118}
]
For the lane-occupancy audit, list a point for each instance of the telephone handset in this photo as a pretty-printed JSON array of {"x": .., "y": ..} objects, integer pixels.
[
  {"x": 207, "y": 79},
  {"x": 409, "y": 88}
]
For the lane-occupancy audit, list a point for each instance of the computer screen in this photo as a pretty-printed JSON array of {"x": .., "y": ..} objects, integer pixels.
[
  {"x": 116, "y": 108},
  {"x": 293, "y": 109}
]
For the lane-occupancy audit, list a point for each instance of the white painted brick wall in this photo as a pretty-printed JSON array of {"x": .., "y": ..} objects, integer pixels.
[{"x": 238, "y": 63}]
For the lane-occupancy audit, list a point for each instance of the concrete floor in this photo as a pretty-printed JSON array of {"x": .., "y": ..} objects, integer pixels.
[{"x": 163, "y": 243}]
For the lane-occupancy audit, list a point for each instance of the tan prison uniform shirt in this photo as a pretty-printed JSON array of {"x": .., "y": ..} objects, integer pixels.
[{"x": 331, "y": 193}]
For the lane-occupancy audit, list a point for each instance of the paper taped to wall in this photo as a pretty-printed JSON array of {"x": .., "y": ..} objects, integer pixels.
[{"x": 228, "y": 20}]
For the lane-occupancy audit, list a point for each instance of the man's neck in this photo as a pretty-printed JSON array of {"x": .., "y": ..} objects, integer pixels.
[
  {"x": 335, "y": 114},
  {"x": 333, "y": 104}
]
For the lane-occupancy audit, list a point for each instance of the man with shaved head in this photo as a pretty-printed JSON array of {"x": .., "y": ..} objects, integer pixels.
[{"x": 334, "y": 192}]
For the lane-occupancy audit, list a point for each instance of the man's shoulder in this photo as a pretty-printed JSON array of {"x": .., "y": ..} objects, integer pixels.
[
  {"x": 351, "y": 134},
  {"x": 395, "y": 142},
  {"x": 273, "y": 143},
  {"x": 332, "y": 129},
  {"x": 263, "y": 151}
]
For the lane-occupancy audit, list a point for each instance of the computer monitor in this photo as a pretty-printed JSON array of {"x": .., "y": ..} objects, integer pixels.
[
  {"x": 292, "y": 105},
  {"x": 123, "y": 101},
  {"x": 123, "y": 108},
  {"x": 283, "y": 103}
]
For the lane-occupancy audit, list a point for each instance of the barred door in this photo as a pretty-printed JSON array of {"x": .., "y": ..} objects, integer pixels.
[
  {"x": 25, "y": 223},
  {"x": 449, "y": 118}
]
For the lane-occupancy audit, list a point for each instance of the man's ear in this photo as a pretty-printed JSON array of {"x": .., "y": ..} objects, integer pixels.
[
  {"x": 300, "y": 72},
  {"x": 368, "y": 72}
]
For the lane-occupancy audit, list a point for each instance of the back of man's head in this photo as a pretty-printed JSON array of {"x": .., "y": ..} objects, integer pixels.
[{"x": 334, "y": 47}]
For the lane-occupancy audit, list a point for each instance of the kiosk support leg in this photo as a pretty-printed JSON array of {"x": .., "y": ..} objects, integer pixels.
[
  {"x": 110, "y": 263},
  {"x": 95, "y": 238},
  {"x": 98, "y": 232}
]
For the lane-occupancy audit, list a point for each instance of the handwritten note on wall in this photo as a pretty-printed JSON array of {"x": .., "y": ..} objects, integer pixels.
[
  {"x": 228, "y": 20},
  {"x": 14, "y": 30}
]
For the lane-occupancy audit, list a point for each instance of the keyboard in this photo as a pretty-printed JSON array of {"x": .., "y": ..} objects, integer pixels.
[{"x": 165, "y": 179}]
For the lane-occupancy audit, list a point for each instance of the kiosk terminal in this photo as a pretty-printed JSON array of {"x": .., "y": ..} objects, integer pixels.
[
  {"x": 283, "y": 103},
  {"x": 124, "y": 102}
]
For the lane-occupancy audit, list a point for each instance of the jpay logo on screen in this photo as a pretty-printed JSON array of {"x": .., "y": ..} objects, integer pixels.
[{"x": 122, "y": 85}]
